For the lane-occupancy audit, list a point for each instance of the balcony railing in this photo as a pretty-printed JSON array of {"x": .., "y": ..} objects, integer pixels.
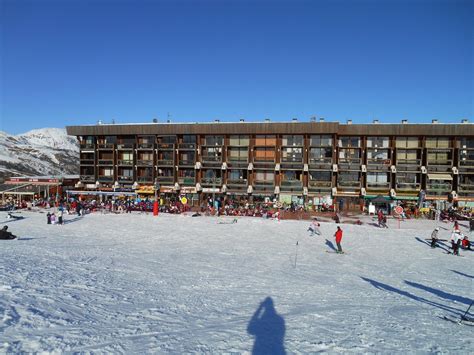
[
  {"x": 349, "y": 184},
  {"x": 187, "y": 146},
  {"x": 378, "y": 185},
  {"x": 105, "y": 178},
  {"x": 318, "y": 184},
  {"x": 239, "y": 159},
  {"x": 145, "y": 146},
  {"x": 87, "y": 161},
  {"x": 466, "y": 187},
  {"x": 165, "y": 162},
  {"x": 320, "y": 160},
  {"x": 105, "y": 146},
  {"x": 125, "y": 146},
  {"x": 125, "y": 162},
  {"x": 144, "y": 179},
  {"x": 187, "y": 162},
  {"x": 142, "y": 162},
  {"x": 211, "y": 159},
  {"x": 291, "y": 184},
  {"x": 165, "y": 146},
  {"x": 87, "y": 177},
  {"x": 125, "y": 178},
  {"x": 439, "y": 186},
  {"x": 87, "y": 146},
  {"x": 263, "y": 185},
  {"x": 165, "y": 179},
  {"x": 239, "y": 182},
  {"x": 466, "y": 162},
  {"x": 106, "y": 162},
  {"x": 408, "y": 186},
  {"x": 292, "y": 160},
  {"x": 186, "y": 181},
  {"x": 263, "y": 160},
  {"x": 446, "y": 162},
  {"x": 402, "y": 162},
  {"x": 211, "y": 181}
]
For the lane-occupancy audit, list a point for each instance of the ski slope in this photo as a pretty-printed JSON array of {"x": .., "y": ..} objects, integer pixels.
[{"x": 178, "y": 284}]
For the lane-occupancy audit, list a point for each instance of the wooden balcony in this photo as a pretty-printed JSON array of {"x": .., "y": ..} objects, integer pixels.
[
  {"x": 125, "y": 146},
  {"x": 87, "y": 178},
  {"x": 145, "y": 146},
  {"x": 105, "y": 146},
  {"x": 106, "y": 162},
  {"x": 125, "y": 162},
  {"x": 142, "y": 162}
]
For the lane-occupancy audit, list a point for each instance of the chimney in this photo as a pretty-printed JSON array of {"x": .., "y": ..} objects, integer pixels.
[
  {"x": 217, "y": 121},
  {"x": 349, "y": 121},
  {"x": 168, "y": 121},
  {"x": 267, "y": 120},
  {"x": 464, "y": 121},
  {"x": 375, "y": 122},
  {"x": 242, "y": 120},
  {"x": 404, "y": 121},
  {"x": 155, "y": 120},
  {"x": 294, "y": 119},
  {"x": 312, "y": 119},
  {"x": 321, "y": 119},
  {"x": 99, "y": 122},
  {"x": 434, "y": 121}
]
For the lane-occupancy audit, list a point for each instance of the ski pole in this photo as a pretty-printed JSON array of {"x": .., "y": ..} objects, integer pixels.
[
  {"x": 464, "y": 315},
  {"x": 296, "y": 254}
]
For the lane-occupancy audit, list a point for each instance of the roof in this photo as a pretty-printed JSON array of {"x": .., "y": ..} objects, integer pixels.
[{"x": 462, "y": 129}]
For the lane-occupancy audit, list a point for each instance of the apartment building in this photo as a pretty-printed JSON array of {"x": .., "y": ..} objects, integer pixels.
[{"x": 288, "y": 161}]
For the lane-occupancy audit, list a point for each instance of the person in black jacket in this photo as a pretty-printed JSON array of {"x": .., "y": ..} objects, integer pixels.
[{"x": 4, "y": 234}]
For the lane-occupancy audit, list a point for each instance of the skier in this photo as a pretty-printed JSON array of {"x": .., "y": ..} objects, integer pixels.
[
  {"x": 434, "y": 237},
  {"x": 4, "y": 234},
  {"x": 314, "y": 228},
  {"x": 456, "y": 238},
  {"x": 471, "y": 225},
  {"x": 338, "y": 236},
  {"x": 60, "y": 216},
  {"x": 48, "y": 218}
]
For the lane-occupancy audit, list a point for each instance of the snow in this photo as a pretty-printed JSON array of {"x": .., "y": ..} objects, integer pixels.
[{"x": 178, "y": 284}]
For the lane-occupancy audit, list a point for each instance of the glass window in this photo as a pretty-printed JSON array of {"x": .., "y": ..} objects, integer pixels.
[
  {"x": 214, "y": 140},
  {"x": 292, "y": 140},
  {"x": 467, "y": 143},
  {"x": 320, "y": 175},
  {"x": 349, "y": 142},
  {"x": 321, "y": 141},
  {"x": 292, "y": 154},
  {"x": 237, "y": 154},
  {"x": 264, "y": 176},
  {"x": 320, "y": 153},
  {"x": 377, "y": 154},
  {"x": 264, "y": 154},
  {"x": 377, "y": 177},
  {"x": 269, "y": 141},
  {"x": 237, "y": 174},
  {"x": 377, "y": 142},
  {"x": 239, "y": 140},
  {"x": 187, "y": 138}
]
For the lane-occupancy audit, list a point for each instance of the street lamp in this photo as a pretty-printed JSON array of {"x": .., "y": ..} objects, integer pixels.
[{"x": 156, "y": 187}]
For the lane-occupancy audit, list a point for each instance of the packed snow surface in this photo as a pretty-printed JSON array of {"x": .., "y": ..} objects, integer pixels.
[{"x": 177, "y": 284}]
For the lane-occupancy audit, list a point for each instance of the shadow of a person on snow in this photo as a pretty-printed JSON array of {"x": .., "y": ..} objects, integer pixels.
[{"x": 268, "y": 327}]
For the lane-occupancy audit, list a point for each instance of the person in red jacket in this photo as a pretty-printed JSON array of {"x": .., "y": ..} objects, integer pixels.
[{"x": 338, "y": 236}]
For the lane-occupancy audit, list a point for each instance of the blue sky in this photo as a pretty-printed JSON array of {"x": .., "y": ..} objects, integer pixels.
[{"x": 74, "y": 62}]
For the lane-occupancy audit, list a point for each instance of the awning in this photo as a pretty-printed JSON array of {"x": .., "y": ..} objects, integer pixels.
[
  {"x": 440, "y": 177},
  {"x": 402, "y": 198}
]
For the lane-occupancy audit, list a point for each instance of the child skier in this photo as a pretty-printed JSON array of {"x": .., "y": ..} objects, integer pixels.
[
  {"x": 434, "y": 237},
  {"x": 466, "y": 243}
]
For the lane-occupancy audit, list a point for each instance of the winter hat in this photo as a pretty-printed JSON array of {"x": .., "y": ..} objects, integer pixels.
[{"x": 437, "y": 229}]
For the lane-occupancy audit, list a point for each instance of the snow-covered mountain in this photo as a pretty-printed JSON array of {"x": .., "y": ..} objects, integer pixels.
[{"x": 46, "y": 151}]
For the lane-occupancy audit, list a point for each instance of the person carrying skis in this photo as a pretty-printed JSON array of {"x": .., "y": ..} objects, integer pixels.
[
  {"x": 338, "y": 236},
  {"x": 434, "y": 237}
]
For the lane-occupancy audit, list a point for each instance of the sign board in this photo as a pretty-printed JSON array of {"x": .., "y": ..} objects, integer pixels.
[
  {"x": 184, "y": 200},
  {"x": 371, "y": 208},
  {"x": 398, "y": 210},
  {"x": 210, "y": 189}
]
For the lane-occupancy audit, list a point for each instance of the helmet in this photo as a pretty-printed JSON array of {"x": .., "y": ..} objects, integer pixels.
[{"x": 437, "y": 229}]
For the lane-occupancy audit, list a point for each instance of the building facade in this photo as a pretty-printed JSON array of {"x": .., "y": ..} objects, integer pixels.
[{"x": 291, "y": 161}]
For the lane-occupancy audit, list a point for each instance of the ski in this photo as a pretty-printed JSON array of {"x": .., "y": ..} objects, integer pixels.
[
  {"x": 460, "y": 320},
  {"x": 334, "y": 252}
]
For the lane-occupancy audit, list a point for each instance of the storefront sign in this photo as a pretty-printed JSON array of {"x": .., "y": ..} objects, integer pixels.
[
  {"x": 188, "y": 190},
  {"x": 184, "y": 200},
  {"x": 210, "y": 190}
]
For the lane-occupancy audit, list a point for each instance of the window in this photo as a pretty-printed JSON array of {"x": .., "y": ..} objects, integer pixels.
[
  {"x": 126, "y": 172},
  {"x": 167, "y": 139},
  {"x": 410, "y": 155},
  {"x": 321, "y": 141},
  {"x": 349, "y": 154},
  {"x": 407, "y": 178},
  {"x": 291, "y": 175},
  {"x": 467, "y": 143},
  {"x": 407, "y": 142},
  {"x": 264, "y": 154},
  {"x": 145, "y": 156},
  {"x": 292, "y": 155},
  {"x": 237, "y": 154},
  {"x": 320, "y": 176},
  {"x": 377, "y": 154},
  {"x": 373, "y": 178},
  {"x": 166, "y": 172},
  {"x": 237, "y": 174},
  {"x": 106, "y": 172},
  {"x": 349, "y": 142},
  {"x": 267, "y": 176},
  {"x": 189, "y": 139},
  {"x": 166, "y": 155},
  {"x": 268, "y": 141},
  {"x": 187, "y": 157},
  {"x": 126, "y": 156},
  {"x": 348, "y": 176},
  {"x": 437, "y": 142},
  {"x": 214, "y": 140},
  {"x": 292, "y": 141},
  {"x": 377, "y": 142},
  {"x": 146, "y": 139},
  {"x": 316, "y": 154},
  {"x": 239, "y": 140}
]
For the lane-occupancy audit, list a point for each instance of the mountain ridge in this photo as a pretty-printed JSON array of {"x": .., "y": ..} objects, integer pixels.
[{"x": 45, "y": 151}]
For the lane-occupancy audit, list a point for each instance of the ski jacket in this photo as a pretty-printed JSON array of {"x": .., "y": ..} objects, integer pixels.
[
  {"x": 434, "y": 235},
  {"x": 338, "y": 235}
]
